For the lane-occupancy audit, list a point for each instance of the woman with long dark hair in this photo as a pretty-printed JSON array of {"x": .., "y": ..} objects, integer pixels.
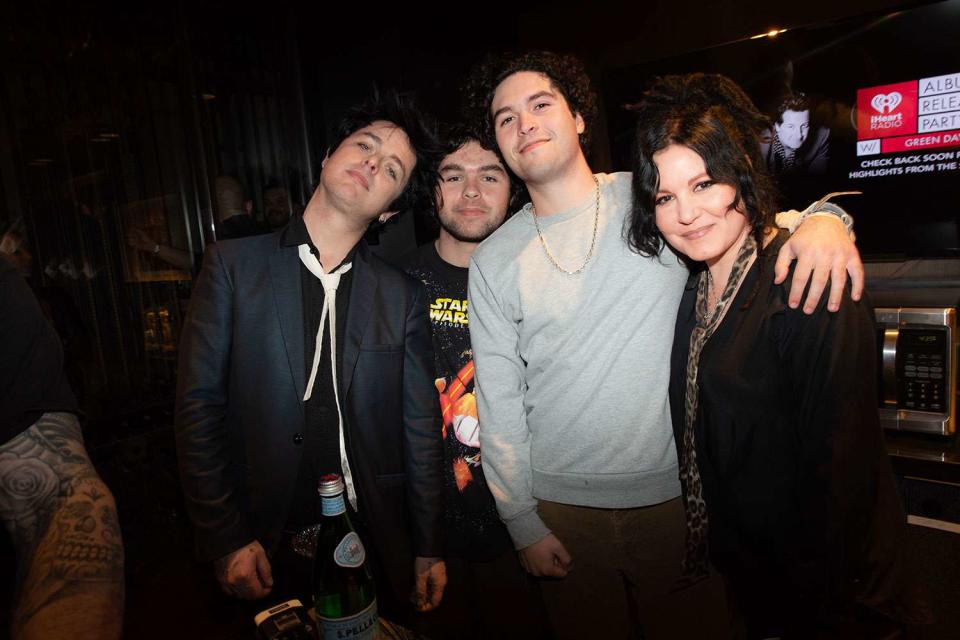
[{"x": 786, "y": 482}]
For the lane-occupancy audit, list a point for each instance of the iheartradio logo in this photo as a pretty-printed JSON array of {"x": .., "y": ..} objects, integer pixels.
[
  {"x": 887, "y": 110},
  {"x": 886, "y": 102}
]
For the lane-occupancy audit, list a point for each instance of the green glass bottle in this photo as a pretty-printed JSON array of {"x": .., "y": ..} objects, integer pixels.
[{"x": 344, "y": 596}]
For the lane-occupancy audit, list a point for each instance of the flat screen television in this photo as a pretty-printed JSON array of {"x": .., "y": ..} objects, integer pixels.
[{"x": 879, "y": 99}]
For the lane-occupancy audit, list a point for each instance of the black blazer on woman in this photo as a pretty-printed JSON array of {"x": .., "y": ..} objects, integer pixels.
[
  {"x": 804, "y": 517},
  {"x": 240, "y": 414}
]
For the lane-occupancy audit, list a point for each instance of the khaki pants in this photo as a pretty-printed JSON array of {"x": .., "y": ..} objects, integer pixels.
[{"x": 624, "y": 582}]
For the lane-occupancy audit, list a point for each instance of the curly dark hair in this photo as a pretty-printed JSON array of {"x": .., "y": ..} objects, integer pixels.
[
  {"x": 402, "y": 111},
  {"x": 565, "y": 71},
  {"x": 711, "y": 115},
  {"x": 795, "y": 101}
]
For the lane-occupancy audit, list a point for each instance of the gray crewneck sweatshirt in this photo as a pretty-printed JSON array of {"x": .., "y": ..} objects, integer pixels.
[{"x": 572, "y": 370}]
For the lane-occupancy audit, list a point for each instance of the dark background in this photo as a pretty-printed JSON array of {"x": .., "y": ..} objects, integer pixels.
[
  {"x": 829, "y": 63},
  {"x": 119, "y": 115}
]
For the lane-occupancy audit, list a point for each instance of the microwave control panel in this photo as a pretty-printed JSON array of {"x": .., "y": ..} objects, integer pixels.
[
  {"x": 923, "y": 373},
  {"x": 917, "y": 377}
]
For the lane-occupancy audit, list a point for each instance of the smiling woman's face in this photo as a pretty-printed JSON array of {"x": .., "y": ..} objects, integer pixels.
[{"x": 694, "y": 212}]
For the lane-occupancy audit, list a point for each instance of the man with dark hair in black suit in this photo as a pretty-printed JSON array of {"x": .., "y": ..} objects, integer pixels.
[
  {"x": 796, "y": 146},
  {"x": 303, "y": 354}
]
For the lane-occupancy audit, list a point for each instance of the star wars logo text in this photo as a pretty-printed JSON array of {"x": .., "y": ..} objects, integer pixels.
[{"x": 449, "y": 311}]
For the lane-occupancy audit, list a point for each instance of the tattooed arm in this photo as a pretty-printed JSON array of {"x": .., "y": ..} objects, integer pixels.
[{"x": 63, "y": 522}]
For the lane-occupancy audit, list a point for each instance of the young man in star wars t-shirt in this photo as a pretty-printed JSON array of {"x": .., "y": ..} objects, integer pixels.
[{"x": 488, "y": 594}]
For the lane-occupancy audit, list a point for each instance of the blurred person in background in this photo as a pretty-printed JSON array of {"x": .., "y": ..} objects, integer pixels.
[
  {"x": 60, "y": 311},
  {"x": 234, "y": 221},
  {"x": 276, "y": 207},
  {"x": 14, "y": 248}
]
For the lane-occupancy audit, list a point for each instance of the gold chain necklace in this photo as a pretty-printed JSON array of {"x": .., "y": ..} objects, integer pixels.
[{"x": 593, "y": 241}]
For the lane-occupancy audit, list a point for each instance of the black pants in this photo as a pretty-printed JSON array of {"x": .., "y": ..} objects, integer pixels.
[
  {"x": 486, "y": 599},
  {"x": 761, "y": 608}
]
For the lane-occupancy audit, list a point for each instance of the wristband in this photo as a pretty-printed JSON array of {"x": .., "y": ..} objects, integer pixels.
[{"x": 822, "y": 206}]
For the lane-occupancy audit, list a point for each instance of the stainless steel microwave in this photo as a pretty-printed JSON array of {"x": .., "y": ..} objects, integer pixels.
[{"x": 917, "y": 368}]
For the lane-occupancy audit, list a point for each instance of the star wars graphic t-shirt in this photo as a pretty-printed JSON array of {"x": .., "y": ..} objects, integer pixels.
[{"x": 474, "y": 529}]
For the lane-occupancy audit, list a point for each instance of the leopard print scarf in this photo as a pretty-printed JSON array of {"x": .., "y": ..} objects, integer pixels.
[{"x": 696, "y": 561}]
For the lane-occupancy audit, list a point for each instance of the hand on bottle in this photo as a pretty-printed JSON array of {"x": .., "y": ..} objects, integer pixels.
[
  {"x": 245, "y": 573},
  {"x": 431, "y": 579},
  {"x": 546, "y": 557}
]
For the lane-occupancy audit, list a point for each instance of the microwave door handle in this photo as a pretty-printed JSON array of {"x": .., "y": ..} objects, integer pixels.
[{"x": 890, "y": 336}]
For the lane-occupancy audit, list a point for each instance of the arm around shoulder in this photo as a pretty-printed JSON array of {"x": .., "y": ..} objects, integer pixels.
[{"x": 823, "y": 246}]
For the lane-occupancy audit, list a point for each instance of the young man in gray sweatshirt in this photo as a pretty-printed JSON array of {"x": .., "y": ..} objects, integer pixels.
[{"x": 571, "y": 334}]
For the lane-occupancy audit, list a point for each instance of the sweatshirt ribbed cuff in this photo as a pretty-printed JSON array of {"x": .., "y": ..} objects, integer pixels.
[{"x": 527, "y": 528}]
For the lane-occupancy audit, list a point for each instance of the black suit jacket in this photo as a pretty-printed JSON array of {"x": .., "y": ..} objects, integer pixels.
[
  {"x": 239, "y": 403},
  {"x": 811, "y": 158}
]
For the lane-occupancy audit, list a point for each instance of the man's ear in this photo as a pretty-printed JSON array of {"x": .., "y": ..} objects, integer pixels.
[{"x": 581, "y": 125}]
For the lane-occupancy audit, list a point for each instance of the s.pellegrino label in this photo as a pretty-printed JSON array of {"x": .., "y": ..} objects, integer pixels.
[
  {"x": 362, "y": 626},
  {"x": 350, "y": 552},
  {"x": 344, "y": 594},
  {"x": 332, "y": 506}
]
